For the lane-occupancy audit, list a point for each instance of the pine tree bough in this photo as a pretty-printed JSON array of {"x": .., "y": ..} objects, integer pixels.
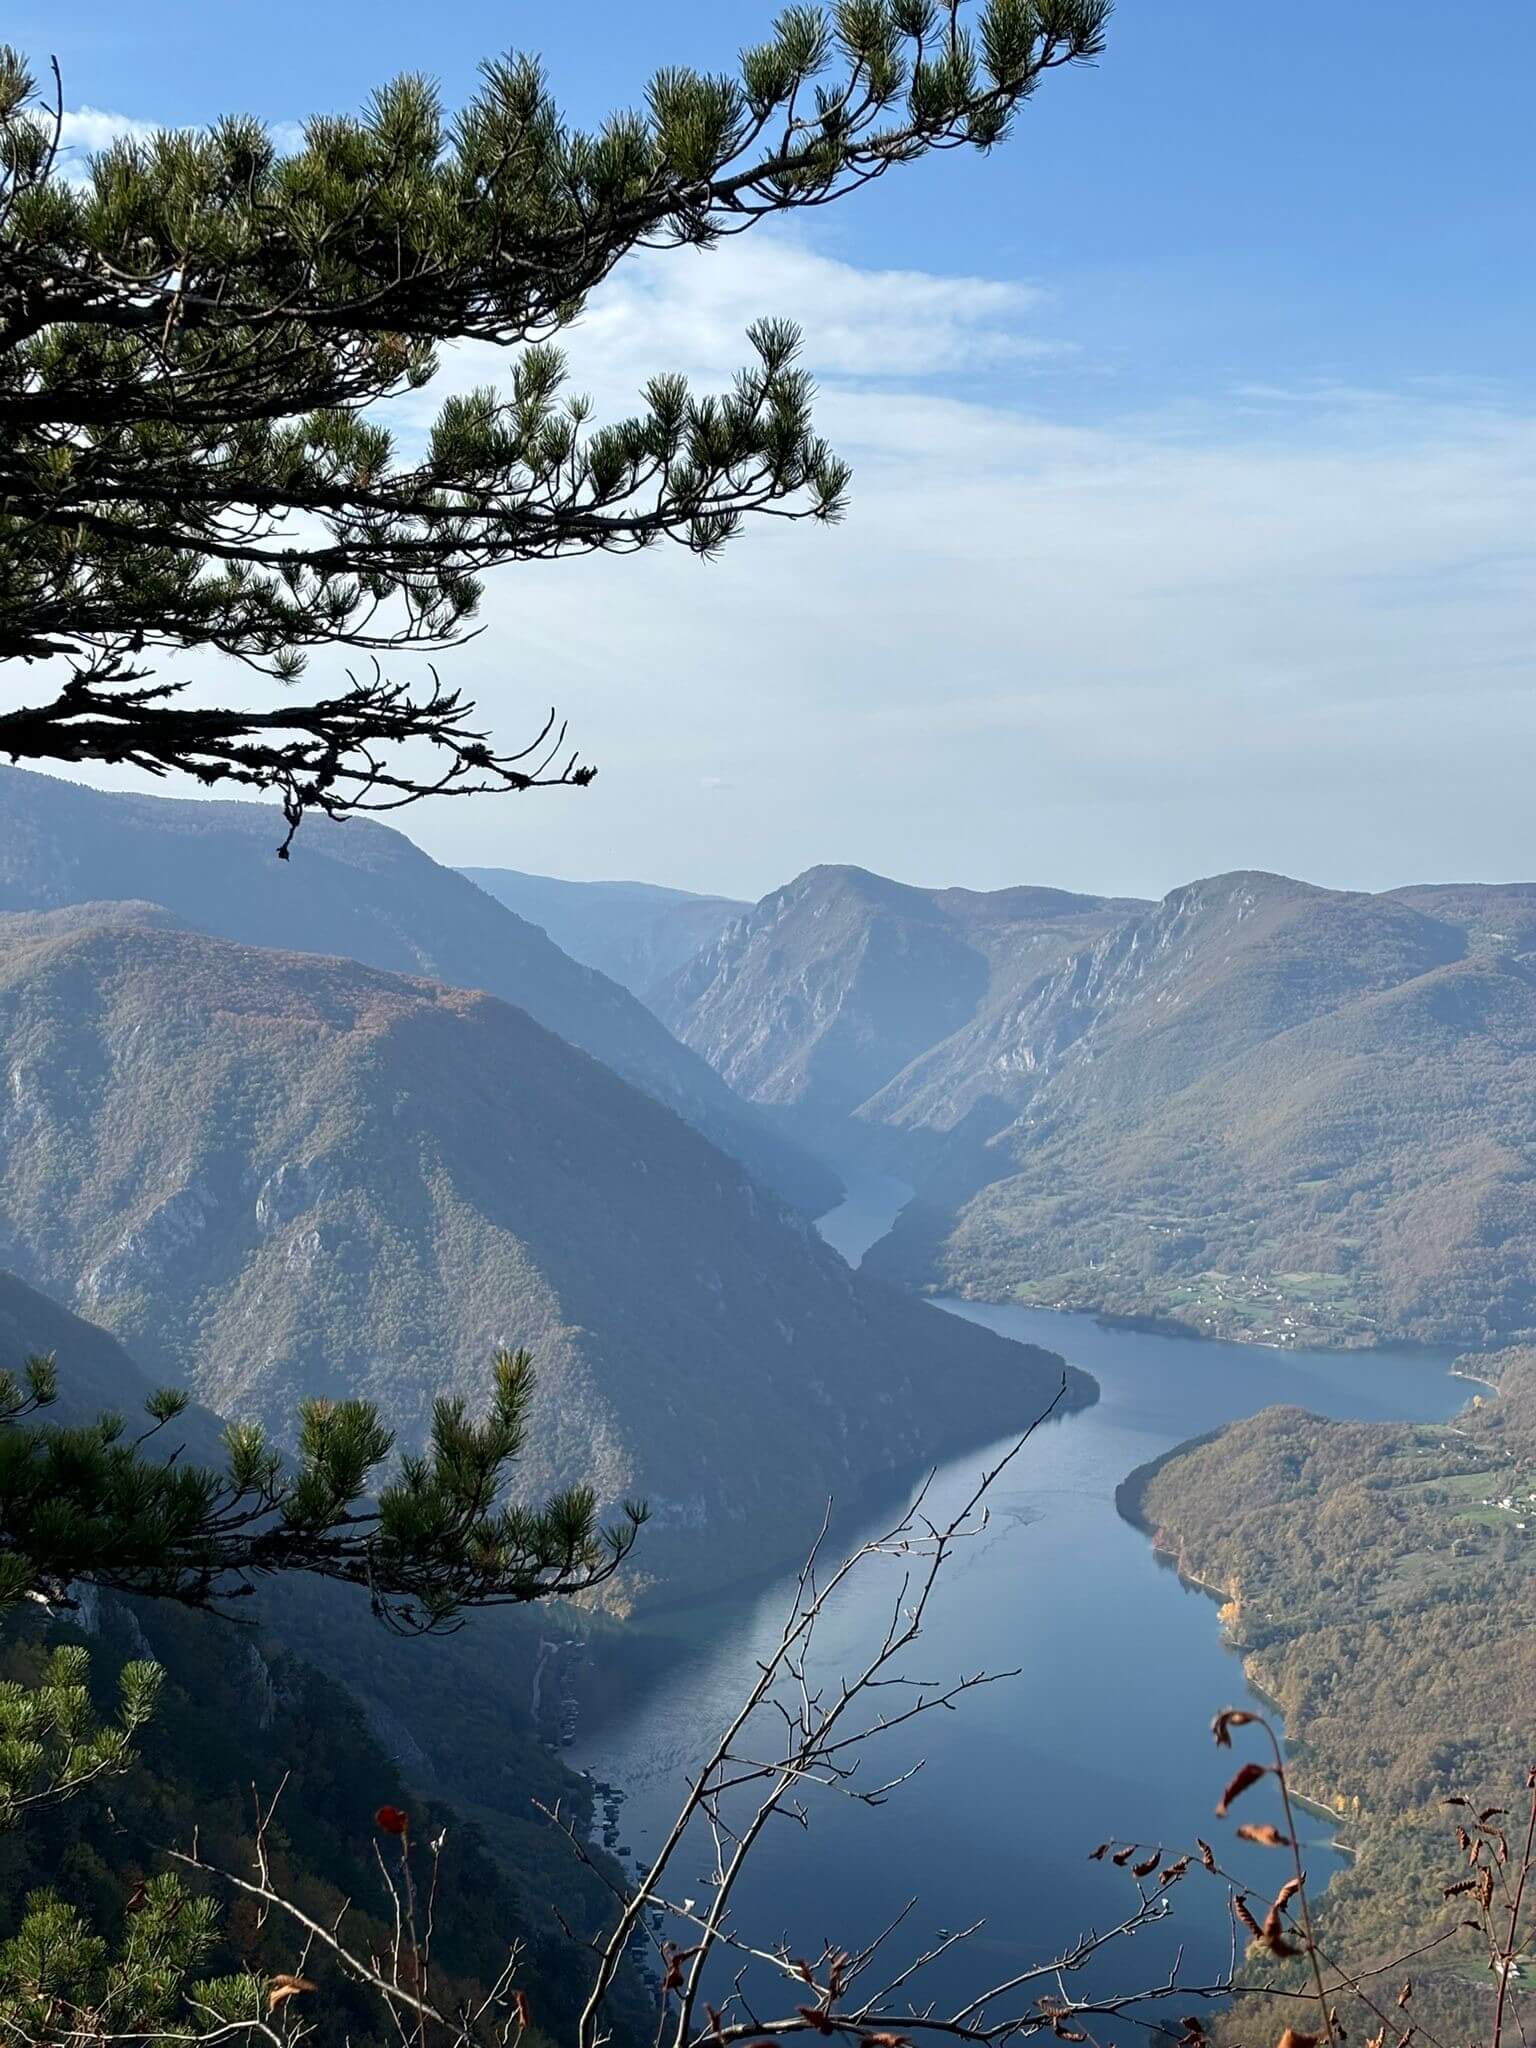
[
  {"x": 192, "y": 341},
  {"x": 86, "y": 1506}
]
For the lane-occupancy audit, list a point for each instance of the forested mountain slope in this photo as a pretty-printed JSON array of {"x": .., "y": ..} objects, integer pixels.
[
  {"x": 823, "y": 993},
  {"x": 367, "y": 893},
  {"x": 1266, "y": 1109},
  {"x": 635, "y": 932},
  {"x": 276, "y": 1174},
  {"x": 1380, "y": 1584}
]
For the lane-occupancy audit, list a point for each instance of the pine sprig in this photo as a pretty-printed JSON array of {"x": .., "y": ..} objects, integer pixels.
[{"x": 85, "y": 1505}]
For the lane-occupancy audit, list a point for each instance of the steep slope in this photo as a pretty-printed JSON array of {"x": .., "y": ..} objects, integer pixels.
[
  {"x": 366, "y": 892},
  {"x": 635, "y": 932},
  {"x": 274, "y": 1174},
  {"x": 96, "y": 1373},
  {"x": 1380, "y": 1586},
  {"x": 830, "y": 987},
  {"x": 1266, "y": 1110},
  {"x": 1216, "y": 966}
]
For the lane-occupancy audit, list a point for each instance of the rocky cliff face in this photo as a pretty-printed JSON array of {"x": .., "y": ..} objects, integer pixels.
[
  {"x": 825, "y": 993},
  {"x": 1266, "y": 1110}
]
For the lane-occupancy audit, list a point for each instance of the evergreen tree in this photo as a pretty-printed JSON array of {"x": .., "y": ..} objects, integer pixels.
[
  {"x": 89, "y": 1506},
  {"x": 196, "y": 344}
]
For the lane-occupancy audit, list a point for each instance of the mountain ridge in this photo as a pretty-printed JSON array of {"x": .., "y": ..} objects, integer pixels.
[
  {"x": 279, "y": 1174},
  {"x": 637, "y": 933},
  {"x": 831, "y": 985},
  {"x": 1259, "y": 1107},
  {"x": 363, "y": 891}
]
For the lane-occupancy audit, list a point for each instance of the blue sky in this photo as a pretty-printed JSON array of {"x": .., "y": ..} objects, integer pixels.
[{"x": 1196, "y": 460}]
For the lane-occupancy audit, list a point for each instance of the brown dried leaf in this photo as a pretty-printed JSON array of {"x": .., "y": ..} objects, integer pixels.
[
  {"x": 1098, "y": 1855},
  {"x": 1250, "y": 1774},
  {"x": 1264, "y": 1832},
  {"x": 814, "y": 2017},
  {"x": 1291, "y": 2039},
  {"x": 1173, "y": 1873},
  {"x": 1456, "y": 1891},
  {"x": 1272, "y": 1935},
  {"x": 1407, "y": 1991},
  {"x": 1147, "y": 1864},
  {"x": 1240, "y": 1909},
  {"x": 674, "y": 1958},
  {"x": 1227, "y": 1719},
  {"x": 522, "y": 2008},
  {"x": 1123, "y": 1856},
  {"x": 1207, "y": 1854},
  {"x": 282, "y": 1987}
]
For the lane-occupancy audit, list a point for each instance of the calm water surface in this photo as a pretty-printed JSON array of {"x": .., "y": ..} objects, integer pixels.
[{"x": 1105, "y": 1730}]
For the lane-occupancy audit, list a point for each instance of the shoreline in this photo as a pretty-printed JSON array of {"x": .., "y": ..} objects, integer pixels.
[
  {"x": 1129, "y": 1497},
  {"x": 1150, "y": 1323},
  {"x": 1477, "y": 1381}
]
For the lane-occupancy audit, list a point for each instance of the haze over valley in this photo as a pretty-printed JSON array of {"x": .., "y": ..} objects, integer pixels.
[
  {"x": 291, "y": 1133},
  {"x": 1258, "y": 1109}
]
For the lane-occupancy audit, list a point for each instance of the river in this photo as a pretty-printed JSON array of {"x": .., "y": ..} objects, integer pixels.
[{"x": 1104, "y": 1732}]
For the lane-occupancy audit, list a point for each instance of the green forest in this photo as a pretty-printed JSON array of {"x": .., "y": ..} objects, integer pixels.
[{"x": 1378, "y": 1580}]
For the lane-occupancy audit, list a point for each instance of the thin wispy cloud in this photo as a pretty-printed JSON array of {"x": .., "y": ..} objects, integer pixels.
[
  {"x": 690, "y": 309},
  {"x": 1188, "y": 636},
  {"x": 1187, "y": 630}
]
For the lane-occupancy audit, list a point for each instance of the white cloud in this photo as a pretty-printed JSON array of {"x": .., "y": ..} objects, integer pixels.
[
  {"x": 1290, "y": 627},
  {"x": 689, "y": 309},
  {"x": 85, "y": 130},
  {"x": 1292, "y": 624}
]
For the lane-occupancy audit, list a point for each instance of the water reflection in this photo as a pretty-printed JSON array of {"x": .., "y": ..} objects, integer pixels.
[{"x": 1105, "y": 1729}]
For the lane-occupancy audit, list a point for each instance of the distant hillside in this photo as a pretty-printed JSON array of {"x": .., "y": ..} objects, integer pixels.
[
  {"x": 1265, "y": 1109},
  {"x": 1380, "y": 1581},
  {"x": 825, "y": 992},
  {"x": 367, "y": 893},
  {"x": 275, "y": 1174},
  {"x": 634, "y": 932}
]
